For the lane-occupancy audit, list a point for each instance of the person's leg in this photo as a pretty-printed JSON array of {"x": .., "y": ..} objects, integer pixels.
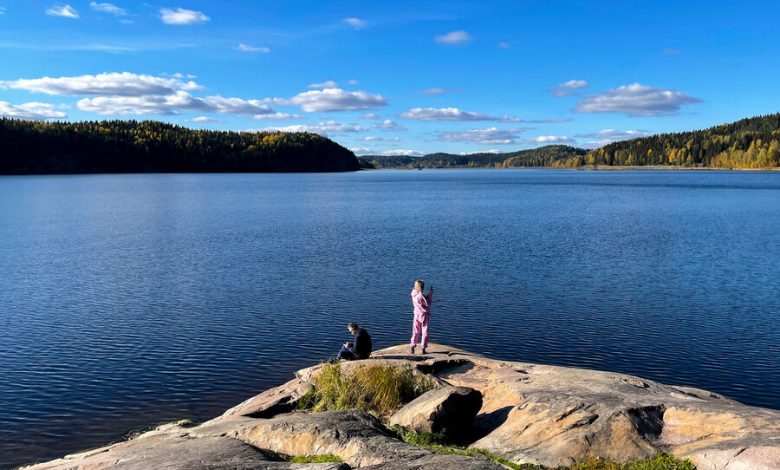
[
  {"x": 424, "y": 327},
  {"x": 415, "y": 333},
  {"x": 346, "y": 354}
]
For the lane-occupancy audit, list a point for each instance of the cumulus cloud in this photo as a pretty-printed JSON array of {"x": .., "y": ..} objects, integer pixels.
[
  {"x": 324, "y": 128},
  {"x": 247, "y": 48},
  {"x": 388, "y": 125},
  {"x": 323, "y": 85},
  {"x": 202, "y": 119},
  {"x": 454, "y": 38},
  {"x": 109, "y": 8},
  {"x": 435, "y": 91},
  {"x": 636, "y": 100},
  {"x": 569, "y": 88},
  {"x": 104, "y": 84},
  {"x": 182, "y": 16},
  {"x": 356, "y": 23},
  {"x": 369, "y": 116},
  {"x": 401, "y": 153},
  {"x": 64, "y": 11},
  {"x": 277, "y": 116},
  {"x": 488, "y": 136},
  {"x": 171, "y": 104},
  {"x": 550, "y": 139},
  {"x": 607, "y": 136},
  {"x": 35, "y": 111},
  {"x": 452, "y": 114},
  {"x": 336, "y": 99}
]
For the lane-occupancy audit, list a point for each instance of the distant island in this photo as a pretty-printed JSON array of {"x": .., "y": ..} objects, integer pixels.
[
  {"x": 748, "y": 143},
  {"x": 34, "y": 147}
]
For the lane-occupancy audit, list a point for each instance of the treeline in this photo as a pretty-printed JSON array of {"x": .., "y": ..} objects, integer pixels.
[
  {"x": 550, "y": 155},
  {"x": 33, "y": 147},
  {"x": 749, "y": 143}
]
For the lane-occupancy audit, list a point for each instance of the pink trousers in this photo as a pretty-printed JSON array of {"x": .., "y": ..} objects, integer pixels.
[{"x": 420, "y": 324}]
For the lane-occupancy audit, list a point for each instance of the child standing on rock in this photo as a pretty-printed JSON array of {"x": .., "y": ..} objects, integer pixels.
[{"x": 422, "y": 313}]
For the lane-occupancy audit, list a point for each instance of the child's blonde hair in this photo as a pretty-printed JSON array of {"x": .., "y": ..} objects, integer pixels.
[{"x": 419, "y": 284}]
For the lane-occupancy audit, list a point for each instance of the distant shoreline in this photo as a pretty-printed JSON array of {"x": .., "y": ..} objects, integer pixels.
[{"x": 581, "y": 168}]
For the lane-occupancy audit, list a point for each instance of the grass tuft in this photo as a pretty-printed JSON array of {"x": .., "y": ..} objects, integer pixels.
[
  {"x": 377, "y": 388},
  {"x": 318, "y": 458}
]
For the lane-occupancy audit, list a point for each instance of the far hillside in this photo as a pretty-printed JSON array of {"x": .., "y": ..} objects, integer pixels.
[
  {"x": 33, "y": 147},
  {"x": 550, "y": 155},
  {"x": 748, "y": 143}
]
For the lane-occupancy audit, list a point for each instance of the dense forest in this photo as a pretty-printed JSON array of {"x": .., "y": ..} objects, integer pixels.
[
  {"x": 33, "y": 147},
  {"x": 749, "y": 143},
  {"x": 550, "y": 155}
]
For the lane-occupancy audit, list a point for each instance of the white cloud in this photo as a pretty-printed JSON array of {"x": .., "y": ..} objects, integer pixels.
[
  {"x": 375, "y": 138},
  {"x": 671, "y": 51},
  {"x": 64, "y": 11},
  {"x": 388, "y": 125},
  {"x": 607, "y": 136},
  {"x": 435, "y": 91},
  {"x": 323, "y": 85},
  {"x": 489, "y": 136},
  {"x": 109, "y": 8},
  {"x": 636, "y": 100},
  {"x": 401, "y": 153},
  {"x": 204, "y": 119},
  {"x": 356, "y": 23},
  {"x": 454, "y": 38},
  {"x": 336, "y": 99},
  {"x": 452, "y": 114},
  {"x": 277, "y": 116},
  {"x": 171, "y": 104},
  {"x": 182, "y": 16},
  {"x": 569, "y": 88},
  {"x": 550, "y": 139},
  {"x": 504, "y": 45},
  {"x": 369, "y": 116},
  {"x": 34, "y": 111},
  {"x": 324, "y": 128},
  {"x": 247, "y": 48},
  {"x": 352, "y": 82},
  {"x": 2, "y": 11},
  {"x": 104, "y": 84}
]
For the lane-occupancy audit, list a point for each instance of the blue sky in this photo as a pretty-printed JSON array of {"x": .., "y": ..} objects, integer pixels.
[{"x": 397, "y": 77}]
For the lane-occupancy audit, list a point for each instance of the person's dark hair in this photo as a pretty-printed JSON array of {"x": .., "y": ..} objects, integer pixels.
[{"x": 353, "y": 326}]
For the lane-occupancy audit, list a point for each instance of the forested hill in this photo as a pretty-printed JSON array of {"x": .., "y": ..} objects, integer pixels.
[
  {"x": 549, "y": 155},
  {"x": 749, "y": 143},
  {"x": 32, "y": 147}
]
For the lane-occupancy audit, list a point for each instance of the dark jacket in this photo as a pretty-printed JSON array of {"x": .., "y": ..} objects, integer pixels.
[{"x": 363, "y": 345}]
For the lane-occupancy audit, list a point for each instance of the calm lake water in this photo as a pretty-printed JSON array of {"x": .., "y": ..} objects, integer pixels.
[{"x": 129, "y": 300}]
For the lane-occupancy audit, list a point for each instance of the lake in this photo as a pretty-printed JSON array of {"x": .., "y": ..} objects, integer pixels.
[{"x": 130, "y": 300}]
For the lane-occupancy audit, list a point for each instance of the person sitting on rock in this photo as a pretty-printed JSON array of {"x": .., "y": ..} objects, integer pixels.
[{"x": 361, "y": 348}]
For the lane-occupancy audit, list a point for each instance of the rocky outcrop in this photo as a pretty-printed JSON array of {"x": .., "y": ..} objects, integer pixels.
[
  {"x": 173, "y": 451},
  {"x": 529, "y": 413},
  {"x": 448, "y": 410}
]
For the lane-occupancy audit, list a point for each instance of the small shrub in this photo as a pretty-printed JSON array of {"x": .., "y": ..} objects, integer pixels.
[
  {"x": 377, "y": 388},
  {"x": 659, "y": 462},
  {"x": 318, "y": 458}
]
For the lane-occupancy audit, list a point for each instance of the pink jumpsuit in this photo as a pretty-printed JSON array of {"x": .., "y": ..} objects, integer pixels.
[{"x": 422, "y": 313}]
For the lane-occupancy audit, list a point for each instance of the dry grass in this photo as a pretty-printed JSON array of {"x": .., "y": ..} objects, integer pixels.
[{"x": 378, "y": 388}]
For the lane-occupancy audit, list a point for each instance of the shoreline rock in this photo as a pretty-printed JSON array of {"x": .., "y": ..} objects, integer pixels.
[{"x": 528, "y": 414}]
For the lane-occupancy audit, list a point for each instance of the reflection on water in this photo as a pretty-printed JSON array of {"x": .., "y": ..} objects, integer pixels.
[{"x": 127, "y": 300}]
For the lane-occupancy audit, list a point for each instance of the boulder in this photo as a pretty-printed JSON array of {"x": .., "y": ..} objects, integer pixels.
[
  {"x": 281, "y": 399},
  {"x": 176, "y": 452},
  {"x": 450, "y": 410},
  {"x": 355, "y": 436}
]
